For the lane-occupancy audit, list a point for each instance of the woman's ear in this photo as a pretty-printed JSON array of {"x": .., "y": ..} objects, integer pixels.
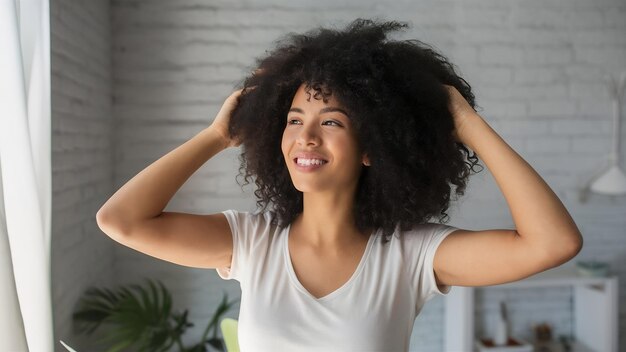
[{"x": 366, "y": 160}]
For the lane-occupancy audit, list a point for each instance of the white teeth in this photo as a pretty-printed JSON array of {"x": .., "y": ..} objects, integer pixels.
[{"x": 307, "y": 162}]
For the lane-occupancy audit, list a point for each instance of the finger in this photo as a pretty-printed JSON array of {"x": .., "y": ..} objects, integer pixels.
[{"x": 246, "y": 89}]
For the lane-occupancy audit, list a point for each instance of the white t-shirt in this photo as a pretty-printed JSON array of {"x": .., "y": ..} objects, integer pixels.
[{"x": 373, "y": 311}]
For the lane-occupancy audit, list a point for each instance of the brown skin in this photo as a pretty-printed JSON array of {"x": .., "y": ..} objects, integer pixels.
[
  {"x": 325, "y": 256},
  {"x": 324, "y": 245},
  {"x": 328, "y": 192},
  {"x": 545, "y": 236}
]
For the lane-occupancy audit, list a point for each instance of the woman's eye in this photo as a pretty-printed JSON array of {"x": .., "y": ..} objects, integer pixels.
[{"x": 298, "y": 122}]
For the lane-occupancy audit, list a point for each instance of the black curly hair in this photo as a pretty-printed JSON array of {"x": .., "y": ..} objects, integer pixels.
[{"x": 394, "y": 93}]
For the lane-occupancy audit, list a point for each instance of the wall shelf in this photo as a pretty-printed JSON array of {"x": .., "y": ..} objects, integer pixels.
[{"x": 595, "y": 309}]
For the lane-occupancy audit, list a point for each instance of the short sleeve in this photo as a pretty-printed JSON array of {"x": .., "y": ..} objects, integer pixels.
[
  {"x": 249, "y": 230},
  {"x": 241, "y": 227},
  {"x": 420, "y": 245},
  {"x": 231, "y": 272}
]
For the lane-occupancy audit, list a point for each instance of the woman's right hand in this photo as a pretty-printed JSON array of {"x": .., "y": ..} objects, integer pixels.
[{"x": 222, "y": 120}]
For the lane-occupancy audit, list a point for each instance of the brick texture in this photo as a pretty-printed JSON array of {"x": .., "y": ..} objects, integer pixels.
[
  {"x": 133, "y": 79},
  {"x": 82, "y": 160}
]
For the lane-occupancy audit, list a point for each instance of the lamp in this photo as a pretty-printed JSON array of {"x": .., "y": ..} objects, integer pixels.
[{"x": 612, "y": 180}]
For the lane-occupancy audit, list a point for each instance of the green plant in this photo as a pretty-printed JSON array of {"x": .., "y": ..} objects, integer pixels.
[{"x": 143, "y": 320}]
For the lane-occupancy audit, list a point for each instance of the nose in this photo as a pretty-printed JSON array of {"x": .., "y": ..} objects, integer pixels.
[{"x": 308, "y": 135}]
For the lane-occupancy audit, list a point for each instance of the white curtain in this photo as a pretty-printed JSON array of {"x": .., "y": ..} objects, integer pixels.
[{"x": 25, "y": 189}]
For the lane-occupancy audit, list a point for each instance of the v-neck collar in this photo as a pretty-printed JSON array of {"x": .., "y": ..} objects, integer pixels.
[{"x": 294, "y": 279}]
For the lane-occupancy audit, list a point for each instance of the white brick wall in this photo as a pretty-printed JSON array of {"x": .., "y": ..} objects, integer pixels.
[
  {"x": 537, "y": 68},
  {"x": 82, "y": 169}
]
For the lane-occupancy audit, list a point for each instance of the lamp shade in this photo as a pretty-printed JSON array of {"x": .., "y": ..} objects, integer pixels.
[{"x": 612, "y": 182}]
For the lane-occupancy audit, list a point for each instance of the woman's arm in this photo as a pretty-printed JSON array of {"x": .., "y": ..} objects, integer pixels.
[
  {"x": 545, "y": 234},
  {"x": 145, "y": 195},
  {"x": 134, "y": 215}
]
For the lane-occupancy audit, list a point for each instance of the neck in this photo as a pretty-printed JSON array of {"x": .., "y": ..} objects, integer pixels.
[{"x": 327, "y": 220}]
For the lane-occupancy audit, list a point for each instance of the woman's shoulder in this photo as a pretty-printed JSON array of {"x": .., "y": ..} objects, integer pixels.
[
  {"x": 253, "y": 217},
  {"x": 422, "y": 237},
  {"x": 257, "y": 212},
  {"x": 424, "y": 229},
  {"x": 430, "y": 226}
]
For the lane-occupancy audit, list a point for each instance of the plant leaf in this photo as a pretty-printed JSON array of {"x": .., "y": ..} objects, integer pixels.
[{"x": 135, "y": 315}]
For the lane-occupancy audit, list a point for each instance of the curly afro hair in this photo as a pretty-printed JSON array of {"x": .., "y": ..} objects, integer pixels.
[{"x": 394, "y": 93}]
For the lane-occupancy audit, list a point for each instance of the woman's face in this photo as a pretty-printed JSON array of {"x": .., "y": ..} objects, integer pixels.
[{"x": 320, "y": 145}]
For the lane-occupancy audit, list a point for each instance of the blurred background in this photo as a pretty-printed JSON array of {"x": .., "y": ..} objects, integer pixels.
[{"x": 133, "y": 79}]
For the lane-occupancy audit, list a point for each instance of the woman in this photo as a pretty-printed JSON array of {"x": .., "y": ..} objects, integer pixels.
[{"x": 351, "y": 138}]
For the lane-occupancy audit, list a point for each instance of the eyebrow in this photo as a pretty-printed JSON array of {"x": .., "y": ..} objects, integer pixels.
[{"x": 322, "y": 111}]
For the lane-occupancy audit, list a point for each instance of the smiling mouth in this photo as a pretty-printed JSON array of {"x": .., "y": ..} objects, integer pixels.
[{"x": 309, "y": 162}]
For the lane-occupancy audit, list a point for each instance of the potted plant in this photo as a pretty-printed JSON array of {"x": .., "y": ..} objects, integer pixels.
[{"x": 143, "y": 319}]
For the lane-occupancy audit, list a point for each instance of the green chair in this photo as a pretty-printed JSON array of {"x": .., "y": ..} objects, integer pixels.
[{"x": 229, "y": 332}]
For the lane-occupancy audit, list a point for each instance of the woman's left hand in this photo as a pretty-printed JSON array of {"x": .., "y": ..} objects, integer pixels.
[{"x": 462, "y": 112}]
